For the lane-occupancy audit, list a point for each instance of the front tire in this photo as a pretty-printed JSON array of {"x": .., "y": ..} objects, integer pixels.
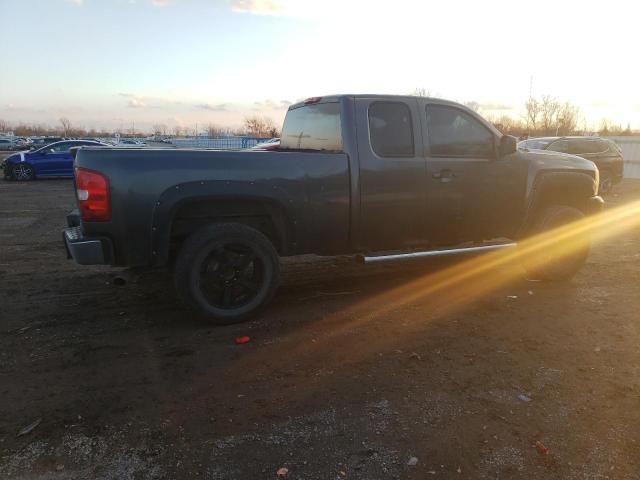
[
  {"x": 22, "y": 172},
  {"x": 226, "y": 272},
  {"x": 561, "y": 260}
]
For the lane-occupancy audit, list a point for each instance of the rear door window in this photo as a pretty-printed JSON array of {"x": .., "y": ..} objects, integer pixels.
[
  {"x": 313, "y": 127},
  {"x": 391, "y": 129},
  {"x": 455, "y": 133}
]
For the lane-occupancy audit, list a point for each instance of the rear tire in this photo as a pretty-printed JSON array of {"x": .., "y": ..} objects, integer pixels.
[
  {"x": 226, "y": 272},
  {"x": 561, "y": 261},
  {"x": 22, "y": 172}
]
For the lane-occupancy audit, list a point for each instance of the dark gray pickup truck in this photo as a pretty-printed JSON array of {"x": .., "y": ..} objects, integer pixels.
[{"x": 384, "y": 177}]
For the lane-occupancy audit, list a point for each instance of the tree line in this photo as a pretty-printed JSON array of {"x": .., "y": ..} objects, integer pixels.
[
  {"x": 545, "y": 116},
  {"x": 542, "y": 116},
  {"x": 253, "y": 126},
  {"x": 551, "y": 117}
]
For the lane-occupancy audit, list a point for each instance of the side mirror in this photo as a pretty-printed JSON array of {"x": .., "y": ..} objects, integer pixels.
[{"x": 508, "y": 145}]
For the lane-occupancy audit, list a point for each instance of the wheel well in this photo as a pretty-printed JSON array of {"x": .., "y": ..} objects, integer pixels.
[
  {"x": 263, "y": 216},
  {"x": 569, "y": 189}
]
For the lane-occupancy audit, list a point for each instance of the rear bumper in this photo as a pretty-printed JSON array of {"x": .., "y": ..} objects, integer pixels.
[{"x": 85, "y": 250}]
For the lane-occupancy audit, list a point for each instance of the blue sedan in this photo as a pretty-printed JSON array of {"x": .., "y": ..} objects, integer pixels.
[{"x": 53, "y": 160}]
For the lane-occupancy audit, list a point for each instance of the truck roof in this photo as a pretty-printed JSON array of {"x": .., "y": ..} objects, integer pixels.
[{"x": 335, "y": 98}]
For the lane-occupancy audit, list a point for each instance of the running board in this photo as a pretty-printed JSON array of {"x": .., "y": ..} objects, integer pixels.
[{"x": 434, "y": 253}]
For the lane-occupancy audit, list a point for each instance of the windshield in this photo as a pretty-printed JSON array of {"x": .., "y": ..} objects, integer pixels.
[
  {"x": 43, "y": 149},
  {"x": 536, "y": 144}
]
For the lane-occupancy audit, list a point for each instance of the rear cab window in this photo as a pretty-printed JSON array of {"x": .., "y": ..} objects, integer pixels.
[{"x": 314, "y": 127}]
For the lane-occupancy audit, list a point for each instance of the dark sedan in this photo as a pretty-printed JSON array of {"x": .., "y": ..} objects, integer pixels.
[{"x": 53, "y": 160}]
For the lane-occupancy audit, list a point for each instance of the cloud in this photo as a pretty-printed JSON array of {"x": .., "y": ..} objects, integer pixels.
[
  {"x": 221, "y": 107},
  {"x": 134, "y": 100},
  {"x": 258, "y": 7},
  {"x": 136, "y": 103},
  {"x": 271, "y": 104}
]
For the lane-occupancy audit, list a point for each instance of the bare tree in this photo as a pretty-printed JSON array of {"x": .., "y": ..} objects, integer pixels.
[
  {"x": 214, "y": 130},
  {"x": 549, "y": 109},
  {"x": 66, "y": 125},
  {"x": 158, "y": 129},
  {"x": 421, "y": 92},
  {"x": 532, "y": 108},
  {"x": 256, "y": 126},
  {"x": 605, "y": 126},
  {"x": 567, "y": 119},
  {"x": 508, "y": 125}
]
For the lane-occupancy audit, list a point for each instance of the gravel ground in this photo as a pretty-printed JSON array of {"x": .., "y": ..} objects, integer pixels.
[{"x": 352, "y": 372}]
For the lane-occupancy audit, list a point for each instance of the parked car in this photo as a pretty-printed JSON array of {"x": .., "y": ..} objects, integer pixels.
[
  {"x": 130, "y": 143},
  {"x": 271, "y": 144},
  {"x": 40, "y": 142},
  {"x": 54, "y": 160},
  {"x": 354, "y": 174},
  {"x": 22, "y": 143},
  {"x": 7, "y": 144},
  {"x": 605, "y": 153}
]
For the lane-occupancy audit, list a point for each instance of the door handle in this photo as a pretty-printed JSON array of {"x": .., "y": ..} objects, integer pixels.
[{"x": 444, "y": 175}]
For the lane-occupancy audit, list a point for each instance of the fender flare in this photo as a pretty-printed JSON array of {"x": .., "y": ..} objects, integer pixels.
[
  {"x": 559, "y": 187},
  {"x": 178, "y": 196}
]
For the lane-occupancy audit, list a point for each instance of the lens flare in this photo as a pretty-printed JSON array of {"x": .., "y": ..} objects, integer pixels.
[{"x": 449, "y": 289}]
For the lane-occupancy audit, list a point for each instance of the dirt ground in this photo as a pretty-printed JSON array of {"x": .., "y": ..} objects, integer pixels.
[{"x": 350, "y": 373}]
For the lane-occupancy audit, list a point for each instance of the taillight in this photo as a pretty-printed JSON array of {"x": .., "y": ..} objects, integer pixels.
[{"x": 92, "y": 190}]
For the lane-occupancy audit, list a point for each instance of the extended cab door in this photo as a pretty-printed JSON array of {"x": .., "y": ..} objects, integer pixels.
[
  {"x": 392, "y": 174},
  {"x": 472, "y": 193}
]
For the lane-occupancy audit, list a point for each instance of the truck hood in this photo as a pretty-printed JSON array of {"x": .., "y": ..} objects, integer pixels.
[{"x": 556, "y": 160}]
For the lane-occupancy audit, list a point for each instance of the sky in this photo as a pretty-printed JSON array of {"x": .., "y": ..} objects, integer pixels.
[{"x": 117, "y": 63}]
